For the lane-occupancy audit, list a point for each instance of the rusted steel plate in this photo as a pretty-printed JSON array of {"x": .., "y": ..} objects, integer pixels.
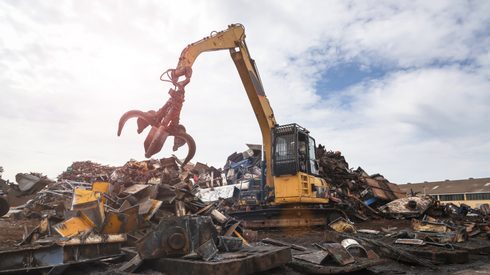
[
  {"x": 410, "y": 241},
  {"x": 70, "y": 252},
  {"x": 207, "y": 250},
  {"x": 439, "y": 255},
  {"x": 135, "y": 188},
  {"x": 338, "y": 253},
  {"x": 310, "y": 268},
  {"x": 316, "y": 257},
  {"x": 258, "y": 259},
  {"x": 384, "y": 190}
]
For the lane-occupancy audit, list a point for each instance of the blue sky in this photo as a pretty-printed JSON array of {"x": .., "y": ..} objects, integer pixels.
[
  {"x": 402, "y": 88},
  {"x": 346, "y": 74}
]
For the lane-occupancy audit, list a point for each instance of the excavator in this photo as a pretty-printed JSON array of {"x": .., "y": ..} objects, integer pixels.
[{"x": 293, "y": 194}]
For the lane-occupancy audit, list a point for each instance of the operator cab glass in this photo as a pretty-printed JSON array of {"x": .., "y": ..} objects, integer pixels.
[
  {"x": 312, "y": 157},
  {"x": 294, "y": 151}
]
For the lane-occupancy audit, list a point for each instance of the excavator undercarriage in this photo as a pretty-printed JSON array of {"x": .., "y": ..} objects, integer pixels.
[{"x": 288, "y": 217}]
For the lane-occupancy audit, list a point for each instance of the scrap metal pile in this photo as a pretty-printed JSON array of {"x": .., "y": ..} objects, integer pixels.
[
  {"x": 354, "y": 190},
  {"x": 149, "y": 204},
  {"x": 171, "y": 216},
  {"x": 86, "y": 171},
  {"x": 28, "y": 185},
  {"x": 241, "y": 168},
  {"x": 447, "y": 236}
]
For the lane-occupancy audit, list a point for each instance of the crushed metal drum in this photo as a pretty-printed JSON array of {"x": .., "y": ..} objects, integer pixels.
[{"x": 207, "y": 250}]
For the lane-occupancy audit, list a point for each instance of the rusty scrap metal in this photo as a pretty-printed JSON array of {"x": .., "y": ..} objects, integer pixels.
[
  {"x": 250, "y": 260},
  {"x": 338, "y": 253},
  {"x": 429, "y": 226},
  {"x": 342, "y": 225},
  {"x": 4, "y": 205},
  {"x": 29, "y": 183},
  {"x": 410, "y": 241},
  {"x": 308, "y": 267},
  {"x": 369, "y": 231},
  {"x": 354, "y": 191},
  {"x": 408, "y": 207},
  {"x": 131, "y": 265},
  {"x": 177, "y": 236},
  {"x": 207, "y": 250},
  {"x": 281, "y": 243},
  {"x": 86, "y": 171},
  {"x": 229, "y": 244},
  {"x": 458, "y": 236},
  {"x": 393, "y": 252},
  {"x": 354, "y": 248},
  {"x": 61, "y": 253},
  {"x": 317, "y": 257}
]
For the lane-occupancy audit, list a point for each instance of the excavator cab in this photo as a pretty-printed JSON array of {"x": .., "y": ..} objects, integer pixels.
[
  {"x": 294, "y": 151},
  {"x": 294, "y": 167}
]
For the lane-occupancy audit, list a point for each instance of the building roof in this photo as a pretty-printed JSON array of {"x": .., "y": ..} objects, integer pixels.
[{"x": 471, "y": 185}]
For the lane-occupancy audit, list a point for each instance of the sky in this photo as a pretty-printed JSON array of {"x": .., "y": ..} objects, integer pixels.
[{"x": 401, "y": 88}]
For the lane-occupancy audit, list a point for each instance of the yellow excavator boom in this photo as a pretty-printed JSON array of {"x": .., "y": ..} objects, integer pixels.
[{"x": 233, "y": 39}]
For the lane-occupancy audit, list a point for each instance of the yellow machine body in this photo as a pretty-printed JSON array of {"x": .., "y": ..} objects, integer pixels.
[{"x": 298, "y": 189}]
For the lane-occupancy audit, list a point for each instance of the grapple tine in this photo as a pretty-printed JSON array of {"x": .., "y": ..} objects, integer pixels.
[
  {"x": 157, "y": 141},
  {"x": 190, "y": 143},
  {"x": 142, "y": 123},
  {"x": 149, "y": 138},
  {"x": 131, "y": 114}
]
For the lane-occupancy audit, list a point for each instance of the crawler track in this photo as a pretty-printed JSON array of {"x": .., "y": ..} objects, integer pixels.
[{"x": 287, "y": 217}]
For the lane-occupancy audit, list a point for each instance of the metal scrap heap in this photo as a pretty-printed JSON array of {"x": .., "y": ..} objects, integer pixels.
[
  {"x": 357, "y": 192},
  {"x": 86, "y": 171},
  {"x": 149, "y": 205},
  {"x": 173, "y": 217}
]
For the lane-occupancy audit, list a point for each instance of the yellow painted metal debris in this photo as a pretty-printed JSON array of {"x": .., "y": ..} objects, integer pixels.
[
  {"x": 90, "y": 206},
  {"x": 342, "y": 225},
  {"x": 72, "y": 227},
  {"x": 429, "y": 226},
  {"x": 82, "y": 198},
  {"x": 101, "y": 187},
  {"x": 121, "y": 222},
  {"x": 155, "y": 205}
]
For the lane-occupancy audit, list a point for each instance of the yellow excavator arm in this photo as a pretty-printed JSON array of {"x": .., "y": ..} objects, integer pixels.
[
  {"x": 290, "y": 166},
  {"x": 233, "y": 39},
  {"x": 289, "y": 151}
]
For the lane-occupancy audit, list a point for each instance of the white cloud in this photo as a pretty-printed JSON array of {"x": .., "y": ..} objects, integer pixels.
[
  {"x": 415, "y": 125},
  {"x": 69, "y": 69}
]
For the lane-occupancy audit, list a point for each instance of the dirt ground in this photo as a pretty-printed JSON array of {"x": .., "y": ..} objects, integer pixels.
[{"x": 12, "y": 231}]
